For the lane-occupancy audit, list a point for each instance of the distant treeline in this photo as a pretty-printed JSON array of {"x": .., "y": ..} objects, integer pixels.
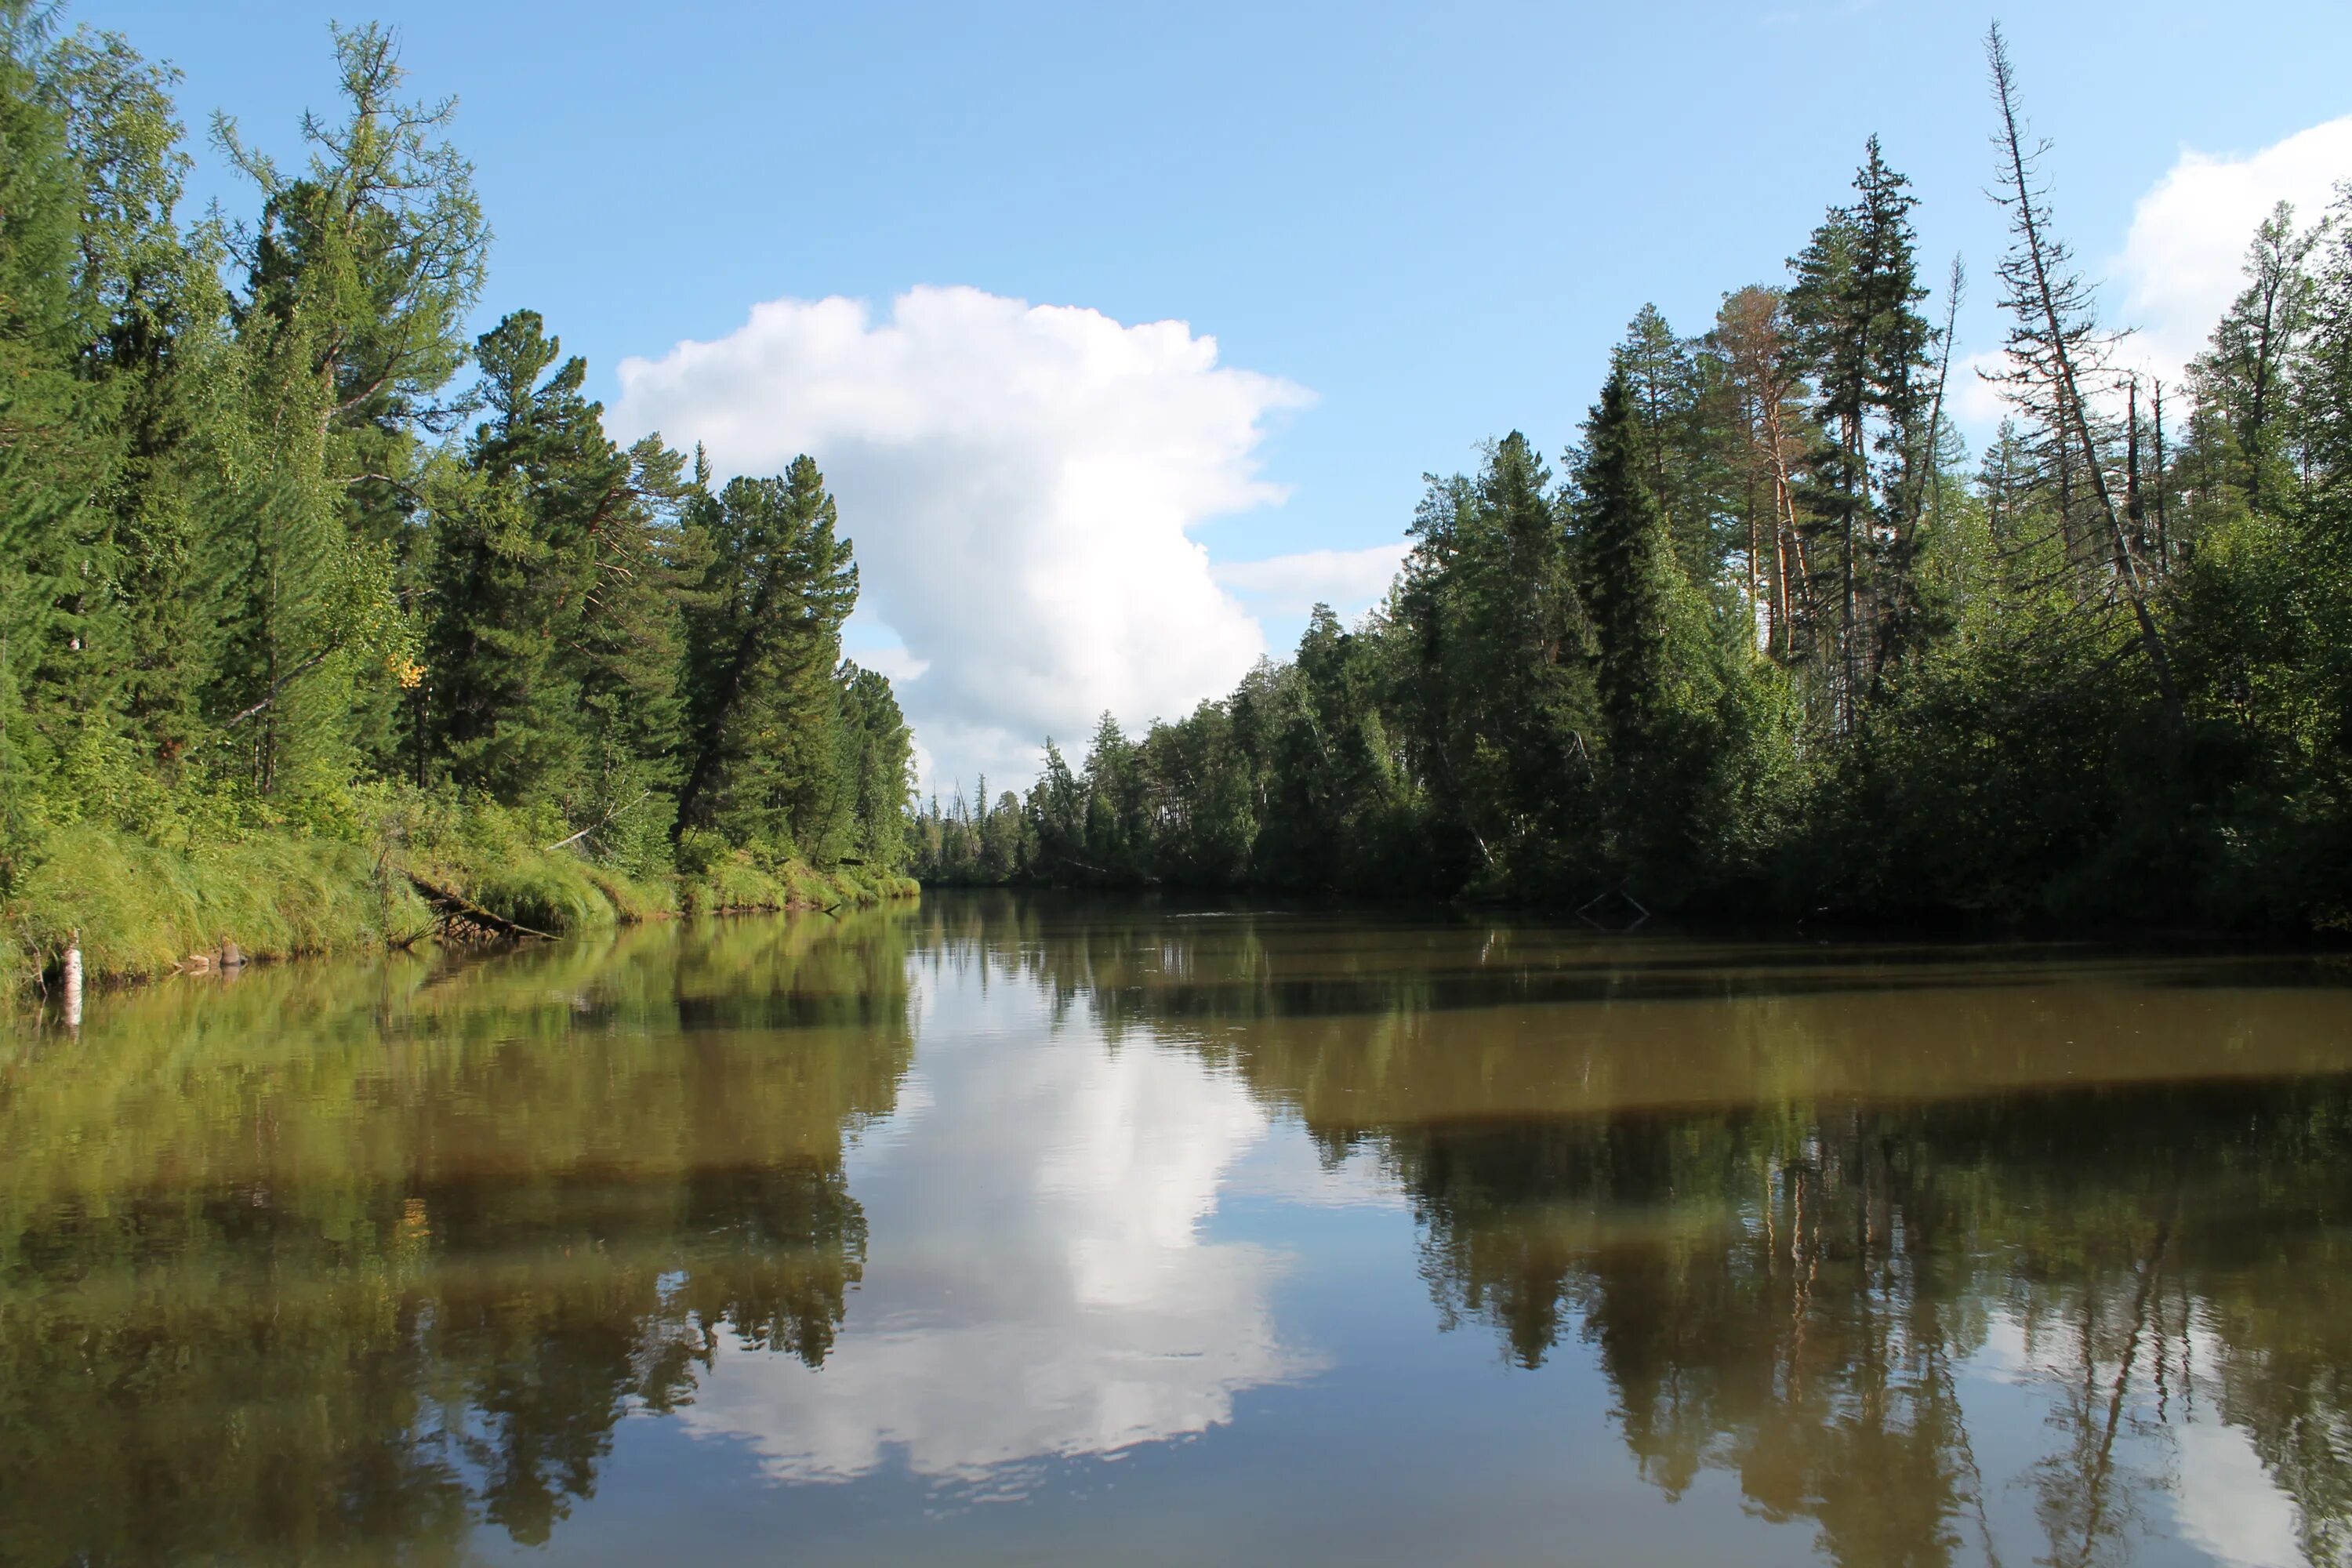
[
  {"x": 282, "y": 551},
  {"x": 1770, "y": 644}
]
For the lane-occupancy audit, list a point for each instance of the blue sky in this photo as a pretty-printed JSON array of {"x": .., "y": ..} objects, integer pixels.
[{"x": 1433, "y": 220}]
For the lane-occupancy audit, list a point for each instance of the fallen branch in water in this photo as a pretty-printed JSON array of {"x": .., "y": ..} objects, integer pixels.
[{"x": 454, "y": 909}]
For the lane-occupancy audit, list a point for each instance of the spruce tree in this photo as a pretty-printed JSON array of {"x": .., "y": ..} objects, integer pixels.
[
  {"x": 506, "y": 577},
  {"x": 1628, "y": 560},
  {"x": 1854, "y": 307}
]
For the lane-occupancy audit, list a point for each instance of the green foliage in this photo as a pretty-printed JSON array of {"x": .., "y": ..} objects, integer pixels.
[
  {"x": 552, "y": 662},
  {"x": 506, "y": 859}
]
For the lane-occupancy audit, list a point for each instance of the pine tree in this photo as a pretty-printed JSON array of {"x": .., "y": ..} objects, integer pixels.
[
  {"x": 359, "y": 278},
  {"x": 1761, "y": 414},
  {"x": 552, "y": 653},
  {"x": 510, "y": 573}
]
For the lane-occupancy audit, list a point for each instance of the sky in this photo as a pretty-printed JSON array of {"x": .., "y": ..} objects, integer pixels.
[{"x": 1124, "y": 333}]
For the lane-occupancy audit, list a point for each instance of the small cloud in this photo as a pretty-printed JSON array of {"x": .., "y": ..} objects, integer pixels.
[
  {"x": 873, "y": 646},
  {"x": 1350, "y": 581},
  {"x": 1978, "y": 403}
]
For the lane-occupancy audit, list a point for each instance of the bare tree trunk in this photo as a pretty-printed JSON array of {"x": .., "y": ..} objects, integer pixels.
[
  {"x": 2135, "y": 506},
  {"x": 1856, "y": 496},
  {"x": 1928, "y": 475},
  {"x": 2163, "y": 483},
  {"x": 1780, "y": 585},
  {"x": 1755, "y": 565},
  {"x": 1808, "y": 590},
  {"x": 1784, "y": 511}
]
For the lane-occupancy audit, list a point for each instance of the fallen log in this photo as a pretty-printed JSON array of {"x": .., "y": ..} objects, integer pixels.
[{"x": 455, "y": 912}]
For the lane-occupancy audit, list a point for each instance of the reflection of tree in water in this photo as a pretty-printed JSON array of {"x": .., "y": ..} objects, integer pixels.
[
  {"x": 293, "y": 1269},
  {"x": 1766, "y": 1316},
  {"x": 1785, "y": 1295},
  {"x": 1784, "y": 1278}
]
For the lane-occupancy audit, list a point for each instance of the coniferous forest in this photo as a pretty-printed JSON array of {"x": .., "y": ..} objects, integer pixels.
[
  {"x": 304, "y": 589},
  {"x": 1769, "y": 641},
  {"x": 298, "y": 580}
]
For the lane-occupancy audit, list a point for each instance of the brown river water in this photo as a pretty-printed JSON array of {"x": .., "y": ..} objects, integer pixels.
[{"x": 1011, "y": 1230}]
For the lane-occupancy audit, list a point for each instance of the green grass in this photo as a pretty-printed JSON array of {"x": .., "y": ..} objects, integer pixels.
[{"x": 143, "y": 910}]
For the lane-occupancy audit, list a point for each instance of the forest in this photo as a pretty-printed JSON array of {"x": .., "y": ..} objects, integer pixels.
[
  {"x": 1769, "y": 642},
  {"x": 298, "y": 580},
  {"x": 306, "y": 589}
]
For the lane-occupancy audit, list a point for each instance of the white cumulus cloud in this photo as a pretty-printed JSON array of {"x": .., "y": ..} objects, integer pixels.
[
  {"x": 2183, "y": 259},
  {"x": 1019, "y": 480}
]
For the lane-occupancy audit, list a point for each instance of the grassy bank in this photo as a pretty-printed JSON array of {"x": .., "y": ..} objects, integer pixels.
[{"x": 144, "y": 907}]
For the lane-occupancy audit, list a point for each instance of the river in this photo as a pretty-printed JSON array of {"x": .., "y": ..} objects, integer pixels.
[{"x": 1010, "y": 1229}]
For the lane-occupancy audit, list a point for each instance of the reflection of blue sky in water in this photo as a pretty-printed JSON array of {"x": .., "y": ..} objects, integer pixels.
[{"x": 1039, "y": 1284}]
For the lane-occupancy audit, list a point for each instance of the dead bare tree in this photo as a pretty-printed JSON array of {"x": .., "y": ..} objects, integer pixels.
[{"x": 2056, "y": 346}]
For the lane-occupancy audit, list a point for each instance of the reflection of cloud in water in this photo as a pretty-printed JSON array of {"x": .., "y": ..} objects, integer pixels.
[
  {"x": 2229, "y": 1504},
  {"x": 2223, "y": 1499},
  {"x": 1038, "y": 1287}
]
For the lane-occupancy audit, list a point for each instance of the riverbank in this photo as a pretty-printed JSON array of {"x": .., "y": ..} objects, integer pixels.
[{"x": 139, "y": 909}]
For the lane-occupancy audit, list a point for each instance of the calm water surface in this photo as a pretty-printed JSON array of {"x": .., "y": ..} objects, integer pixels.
[{"x": 1021, "y": 1231}]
